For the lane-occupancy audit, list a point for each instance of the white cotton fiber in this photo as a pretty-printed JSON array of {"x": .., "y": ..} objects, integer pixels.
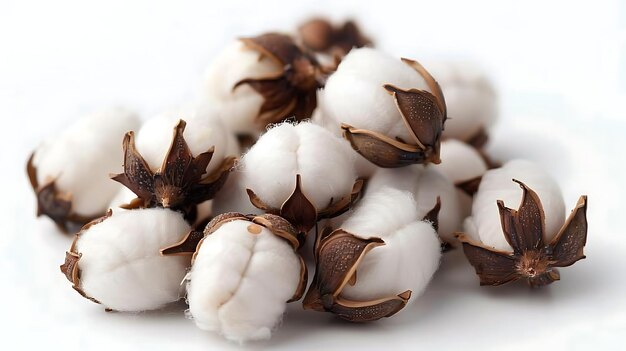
[
  {"x": 80, "y": 159},
  {"x": 121, "y": 265},
  {"x": 470, "y": 98},
  {"x": 233, "y": 196},
  {"x": 324, "y": 162},
  {"x": 239, "y": 107},
  {"x": 240, "y": 282},
  {"x": 497, "y": 185},
  {"x": 355, "y": 95},
  {"x": 203, "y": 131},
  {"x": 411, "y": 252}
]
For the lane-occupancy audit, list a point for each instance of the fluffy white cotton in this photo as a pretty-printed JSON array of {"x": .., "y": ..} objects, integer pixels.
[
  {"x": 121, "y": 265},
  {"x": 354, "y": 94},
  {"x": 411, "y": 252},
  {"x": 240, "y": 107},
  {"x": 240, "y": 282},
  {"x": 204, "y": 130},
  {"x": 425, "y": 184},
  {"x": 460, "y": 163},
  {"x": 233, "y": 196},
  {"x": 470, "y": 98},
  {"x": 497, "y": 184},
  {"x": 324, "y": 162},
  {"x": 81, "y": 158}
]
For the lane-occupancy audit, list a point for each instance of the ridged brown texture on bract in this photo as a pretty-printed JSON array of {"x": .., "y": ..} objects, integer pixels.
[
  {"x": 338, "y": 256},
  {"x": 424, "y": 114},
  {"x": 54, "y": 203},
  {"x": 532, "y": 259},
  {"x": 292, "y": 90},
  {"x": 179, "y": 183}
]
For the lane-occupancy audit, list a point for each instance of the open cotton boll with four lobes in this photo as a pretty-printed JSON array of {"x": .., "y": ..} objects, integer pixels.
[
  {"x": 464, "y": 166},
  {"x": 301, "y": 172},
  {"x": 380, "y": 258},
  {"x": 506, "y": 244},
  {"x": 428, "y": 187},
  {"x": 70, "y": 172},
  {"x": 178, "y": 159},
  {"x": 262, "y": 80},
  {"x": 244, "y": 272},
  {"x": 116, "y": 260},
  {"x": 392, "y": 111},
  {"x": 470, "y": 98}
]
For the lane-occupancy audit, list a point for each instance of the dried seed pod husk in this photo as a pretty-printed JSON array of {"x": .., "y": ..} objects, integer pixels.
[
  {"x": 179, "y": 171},
  {"x": 301, "y": 172},
  {"x": 400, "y": 113},
  {"x": 254, "y": 260},
  {"x": 116, "y": 260},
  {"x": 263, "y": 80},
  {"x": 534, "y": 239},
  {"x": 69, "y": 173},
  {"x": 381, "y": 255}
]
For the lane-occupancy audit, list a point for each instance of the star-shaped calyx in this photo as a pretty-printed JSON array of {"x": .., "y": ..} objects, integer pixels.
[
  {"x": 292, "y": 90},
  {"x": 532, "y": 258},
  {"x": 179, "y": 183},
  {"x": 424, "y": 114}
]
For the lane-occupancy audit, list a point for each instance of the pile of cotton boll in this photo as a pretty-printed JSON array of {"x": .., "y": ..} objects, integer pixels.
[{"x": 307, "y": 149}]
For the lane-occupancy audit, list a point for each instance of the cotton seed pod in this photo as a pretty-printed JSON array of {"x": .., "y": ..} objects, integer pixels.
[
  {"x": 176, "y": 168},
  {"x": 245, "y": 270},
  {"x": 400, "y": 111},
  {"x": 428, "y": 187},
  {"x": 528, "y": 243},
  {"x": 379, "y": 257},
  {"x": 301, "y": 172},
  {"x": 470, "y": 98},
  {"x": 464, "y": 166},
  {"x": 70, "y": 172},
  {"x": 262, "y": 80},
  {"x": 116, "y": 260}
]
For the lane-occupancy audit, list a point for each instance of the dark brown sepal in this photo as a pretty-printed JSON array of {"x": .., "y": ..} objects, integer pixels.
[
  {"x": 186, "y": 246},
  {"x": 433, "y": 215},
  {"x": 381, "y": 150},
  {"x": 320, "y": 35},
  {"x": 340, "y": 207},
  {"x": 53, "y": 203},
  {"x": 367, "y": 311},
  {"x": 470, "y": 186},
  {"x": 531, "y": 259},
  {"x": 180, "y": 183}
]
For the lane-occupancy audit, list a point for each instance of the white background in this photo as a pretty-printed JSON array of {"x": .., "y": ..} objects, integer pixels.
[{"x": 560, "y": 69}]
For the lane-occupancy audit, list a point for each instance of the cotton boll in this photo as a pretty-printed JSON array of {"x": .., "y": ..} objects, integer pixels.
[
  {"x": 470, "y": 98},
  {"x": 240, "y": 281},
  {"x": 80, "y": 159},
  {"x": 355, "y": 95},
  {"x": 238, "y": 107},
  {"x": 497, "y": 185},
  {"x": 120, "y": 264},
  {"x": 324, "y": 162}
]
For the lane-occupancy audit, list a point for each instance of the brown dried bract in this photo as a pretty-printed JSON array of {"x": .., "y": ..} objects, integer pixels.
[
  {"x": 179, "y": 183},
  {"x": 424, "y": 114},
  {"x": 290, "y": 92},
  {"x": 532, "y": 259},
  {"x": 52, "y": 202},
  {"x": 320, "y": 35},
  {"x": 338, "y": 256},
  {"x": 301, "y": 212},
  {"x": 70, "y": 267}
]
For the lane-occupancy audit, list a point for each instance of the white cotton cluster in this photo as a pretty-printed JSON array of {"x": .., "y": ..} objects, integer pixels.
[
  {"x": 80, "y": 159},
  {"x": 470, "y": 98},
  {"x": 355, "y": 95},
  {"x": 411, "y": 252},
  {"x": 238, "y": 107},
  {"x": 240, "y": 281},
  {"x": 425, "y": 184},
  {"x": 203, "y": 131},
  {"x": 461, "y": 163},
  {"x": 324, "y": 162},
  {"x": 120, "y": 262},
  {"x": 484, "y": 224}
]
